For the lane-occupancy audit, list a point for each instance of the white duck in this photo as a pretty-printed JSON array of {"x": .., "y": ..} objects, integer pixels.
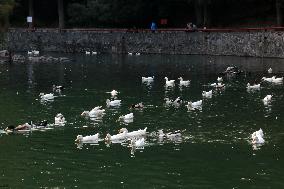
[
  {"x": 46, "y": 97},
  {"x": 113, "y": 93},
  {"x": 277, "y": 80},
  {"x": 207, "y": 94},
  {"x": 87, "y": 52},
  {"x": 90, "y": 138},
  {"x": 168, "y": 102},
  {"x": 127, "y": 118},
  {"x": 59, "y": 120},
  {"x": 132, "y": 134},
  {"x": 177, "y": 102},
  {"x": 113, "y": 102},
  {"x": 267, "y": 99},
  {"x": 269, "y": 70},
  {"x": 35, "y": 53},
  {"x": 95, "y": 112},
  {"x": 94, "y": 52},
  {"x": 257, "y": 137},
  {"x": 217, "y": 85},
  {"x": 194, "y": 105},
  {"x": 138, "y": 143},
  {"x": 183, "y": 82},
  {"x": 169, "y": 82},
  {"x": 253, "y": 87},
  {"x": 147, "y": 79},
  {"x": 267, "y": 79},
  {"x": 120, "y": 136},
  {"x": 220, "y": 79}
]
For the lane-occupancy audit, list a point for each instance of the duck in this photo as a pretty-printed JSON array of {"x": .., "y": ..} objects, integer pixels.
[
  {"x": 94, "y": 52},
  {"x": 127, "y": 117},
  {"x": 217, "y": 85},
  {"x": 177, "y": 102},
  {"x": 113, "y": 93},
  {"x": 113, "y": 102},
  {"x": 257, "y": 137},
  {"x": 138, "y": 54},
  {"x": 46, "y": 97},
  {"x": 22, "y": 127},
  {"x": 277, "y": 80},
  {"x": 30, "y": 53},
  {"x": 120, "y": 136},
  {"x": 59, "y": 120},
  {"x": 90, "y": 138},
  {"x": 194, "y": 105},
  {"x": 130, "y": 53},
  {"x": 35, "y": 52},
  {"x": 253, "y": 87},
  {"x": 207, "y": 94},
  {"x": 95, "y": 112},
  {"x": 269, "y": 70},
  {"x": 170, "y": 135},
  {"x": 183, "y": 82},
  {"x": 147, "y": 79},
  {"x": 168, "y": 102},
  {"x": 87, "y": 52},
  {"x": 57, "y": 88},
  {"x": 169, "y": 82},
  {"x": 138, "y": 143},
  {"x": 267, "y": 99},
  {"x": 132, "y": 134},
  {"x": 220, "y": 79},
  {"x": 137, "y": 106},
  {"x": 267, "y": 79}
]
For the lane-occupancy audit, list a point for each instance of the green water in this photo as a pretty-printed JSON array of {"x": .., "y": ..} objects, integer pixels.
[{"x": 213, "y": 152}]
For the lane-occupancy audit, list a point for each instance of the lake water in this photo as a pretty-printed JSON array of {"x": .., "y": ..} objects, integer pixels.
[{"x": 214, "y": 150}]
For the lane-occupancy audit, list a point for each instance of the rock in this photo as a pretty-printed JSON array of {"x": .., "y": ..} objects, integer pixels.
[
  {"x": 4, "y": 54},
  {"x": 18, "y": 58}
]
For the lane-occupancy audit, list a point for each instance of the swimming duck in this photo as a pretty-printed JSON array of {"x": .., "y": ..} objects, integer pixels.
[
  {"x": 257, "y": 137},
  {"x": 220, "y": 79},
  {"x": 267, "y": 79},
  {"x": 194, "y": 105},
  {"x": 277, "y": 80},
  {"x": 95, "y": 112},
  {"x": 94, "y": 52},
  {"x": 169, "y": 82},
  {"x": 147, "y": 79},
  {"x": 46, "y": 97},
  {"x": 120, "y": 136},
  {"x": 87, "y": 52},
  {"x": 127, "y": 118},
  {"x": 57, "y": 88},
  {"x": 183, "y": 82},
  {"x": 266, "y": 100},
  {"x": 138, "y": 143},
  {"x": 113, "y": 102},
  {"x": 253, "y": 87},
  {"x": 207, "y": 94},
  {"x": 90, "y": 138},
  {"x": 132, "y": 134},
  {"x": 137, "y": 106},
  {"x": 59, "y": 120}
]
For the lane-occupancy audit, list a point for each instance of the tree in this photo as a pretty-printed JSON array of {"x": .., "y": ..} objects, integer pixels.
[
  {"x": 6, "y": 8},
  {"x": 61, "y": 18},
  {"x": 279, "y": 12}
]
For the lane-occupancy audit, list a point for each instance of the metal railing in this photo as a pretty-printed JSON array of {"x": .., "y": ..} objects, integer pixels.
[{"x": 163, "y": 30}]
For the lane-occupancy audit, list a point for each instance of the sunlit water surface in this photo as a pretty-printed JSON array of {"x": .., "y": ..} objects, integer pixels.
[{"x": 214, "y": 150}]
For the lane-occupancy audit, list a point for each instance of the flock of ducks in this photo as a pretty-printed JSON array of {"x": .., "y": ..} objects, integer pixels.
[{"x": 137, "y": 138}]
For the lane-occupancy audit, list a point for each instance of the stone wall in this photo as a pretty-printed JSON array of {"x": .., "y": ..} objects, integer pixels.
[{"x": 256, "y": 43}]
